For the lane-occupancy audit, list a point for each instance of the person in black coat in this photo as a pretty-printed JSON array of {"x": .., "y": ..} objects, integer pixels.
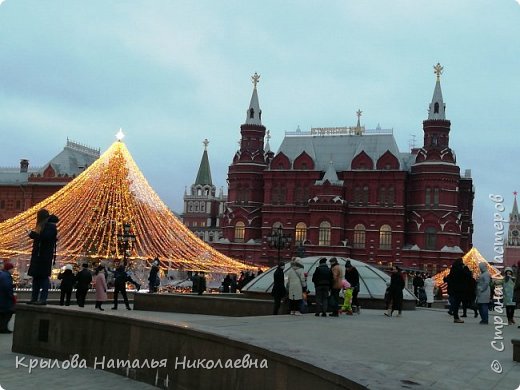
[
  {"x": 120, "y": 279},
  {"x": 352, "y": 276},
  {"x": 457, "y": 285},
  {"x": 322, "y": 279},
  {"x": 83, "y": 281},
  {"x": 67, "y": 282},
  {"x": 44, "y": 238},
  {"x": 7, "y": 299},
  {"x": 469, "y": 294},
  {"x": 279, "y": 290},
  {"x": 226, "y": 283},
  {"x": 153, "y": 280},
  {"x": 395, "y": 292},
  {"x": 202, "y": 284}
]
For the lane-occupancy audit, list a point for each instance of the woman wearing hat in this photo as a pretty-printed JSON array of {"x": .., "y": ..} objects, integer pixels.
[{"x": 7, "y": 299}]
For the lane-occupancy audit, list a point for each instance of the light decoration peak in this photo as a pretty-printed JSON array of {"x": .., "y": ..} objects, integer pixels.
[{"x": 93, "y": 209}]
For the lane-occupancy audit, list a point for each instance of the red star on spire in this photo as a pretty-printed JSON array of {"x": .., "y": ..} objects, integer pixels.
[{"x": 515, "y": 193}]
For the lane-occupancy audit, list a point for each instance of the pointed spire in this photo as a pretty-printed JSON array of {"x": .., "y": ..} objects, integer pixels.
[
  {"x": 254, "y": 113},
  {"x": 514, "y": 213},
  {"x": 437, "y": 106},
  {"x": 358, "y": 113},
  {"x": 267, "y": 146},
  {"x": 204, "y": 174}
]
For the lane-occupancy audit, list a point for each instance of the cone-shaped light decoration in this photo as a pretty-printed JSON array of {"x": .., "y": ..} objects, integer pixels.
[{"x": 93, "y": 209}]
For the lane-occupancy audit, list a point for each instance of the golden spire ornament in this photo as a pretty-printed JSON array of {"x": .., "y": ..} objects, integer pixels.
[{"x": 437, "y": 69}]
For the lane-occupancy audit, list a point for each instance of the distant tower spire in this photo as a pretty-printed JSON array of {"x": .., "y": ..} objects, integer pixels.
[
  {"x": 254, "y": 113},
  {"x": 204, "y": 174},
  {"x": 515, "y": 206},
  {"x": 437, "y": 107},
  {"x": 358, "y": 113},
  {"x": 268, "y": 137}
]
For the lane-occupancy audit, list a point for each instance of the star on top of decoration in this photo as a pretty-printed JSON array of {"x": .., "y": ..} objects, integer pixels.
[
  {"x": 515, "y": 193},
  {"x": 255, "y": 79},
  {"x": 437, "y": 69},
  {"x": 358, "y": 113},
  {"x": 205, "y": 142},
  {"x": 120, "y": 135}
]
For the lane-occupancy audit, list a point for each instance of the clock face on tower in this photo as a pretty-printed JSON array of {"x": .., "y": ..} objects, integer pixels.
[{"x": 515, "y": 233}]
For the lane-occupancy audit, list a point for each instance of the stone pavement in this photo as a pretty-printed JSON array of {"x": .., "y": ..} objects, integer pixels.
[
  {"x": 12, "y": 378},
  {"x": 423, "y": 349}
]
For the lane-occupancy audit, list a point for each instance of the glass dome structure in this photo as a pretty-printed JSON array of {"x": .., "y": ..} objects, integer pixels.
[{"x": 373, "y": 281}]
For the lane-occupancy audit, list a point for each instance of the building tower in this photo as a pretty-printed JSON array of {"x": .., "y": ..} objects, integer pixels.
[
  {"x": 246, "y": 183},
  {"x": 512, "y": 245},
  {"x": 440, "y": 201},
  {"x": 202, "y": 208}
]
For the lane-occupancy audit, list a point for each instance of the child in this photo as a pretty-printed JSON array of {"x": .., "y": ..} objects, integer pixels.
[{"x": 347, "y": 308}]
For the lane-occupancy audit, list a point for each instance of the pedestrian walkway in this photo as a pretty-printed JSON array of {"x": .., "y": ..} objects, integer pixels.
[
  {"x": 12, "y": 378},
  {"x": 423, "y": 349}
]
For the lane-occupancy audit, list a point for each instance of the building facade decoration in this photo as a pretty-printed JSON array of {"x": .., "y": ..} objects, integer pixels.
[{"x": 348, "y": 191}]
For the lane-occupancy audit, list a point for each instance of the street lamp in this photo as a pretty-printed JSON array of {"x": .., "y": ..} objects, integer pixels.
[
  {"x": 125, "y": 238},
  {"x": 279, "y": 240}
]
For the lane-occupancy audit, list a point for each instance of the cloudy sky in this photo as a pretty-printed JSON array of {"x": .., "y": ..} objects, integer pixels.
[{"x": 172, "y": 73}]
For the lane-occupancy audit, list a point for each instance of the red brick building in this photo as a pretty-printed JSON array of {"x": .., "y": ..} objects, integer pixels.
[
  {"x": 23, "y": 187},
  {"x": 348, "y": 191}
]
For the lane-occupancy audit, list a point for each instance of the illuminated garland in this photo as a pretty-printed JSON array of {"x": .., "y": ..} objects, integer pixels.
[
  {"x": 472, "y": 259},
  {"x": 92, "y": 210}
]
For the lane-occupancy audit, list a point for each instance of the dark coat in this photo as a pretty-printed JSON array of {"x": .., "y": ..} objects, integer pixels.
[
  {"x": 6, "y": 292},
  {"x": 279, "y": 290},
  {"x": 153, "y": 278},
  {"x": 322, "y": 276},
  {"x": 67, "y": 280},
  {"x": 352, "y": 276},
  {"x": 396, "y": 283},
  {"x": 121, "y": 277},
  {"x": 471, "y": 287},
  {"x": 42, "y": 254},
  {"x": 83, "y": 279},
  {"x": 457, "y": 280}
]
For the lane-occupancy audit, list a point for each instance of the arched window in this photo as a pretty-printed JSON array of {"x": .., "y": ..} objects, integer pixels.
[
  {"x": 428, "y": 199},
  {"x": 430, "y": 239},
  {"x": 385, "y": 237},
  {"x": 301, "y": 232},
  {"x": 359, "y": 236},
  {"x": 435, "y": 108},
  {"x": 202, "y": 206},
  {"x": 324, "y": 234},
  {"x": 436, "y": 197},
  {"x": 251, "y": 113},
  {"x": 240, "y": 229}
]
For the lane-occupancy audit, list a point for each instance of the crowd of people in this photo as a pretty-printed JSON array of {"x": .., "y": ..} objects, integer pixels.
[
  {"x": 336, "y": 287},
  {"x": 329, "y": 282}
]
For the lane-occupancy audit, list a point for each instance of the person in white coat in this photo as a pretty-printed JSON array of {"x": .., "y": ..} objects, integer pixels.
[
  {"x": 429, "y": 286},
  {"x": 296, "y": 284}
]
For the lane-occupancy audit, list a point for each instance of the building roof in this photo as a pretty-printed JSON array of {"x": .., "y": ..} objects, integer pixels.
[
  {"x": 343, "y": 147},
  {"x": 71, "y": 161},
  {"x": 204, "y": 174}
]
